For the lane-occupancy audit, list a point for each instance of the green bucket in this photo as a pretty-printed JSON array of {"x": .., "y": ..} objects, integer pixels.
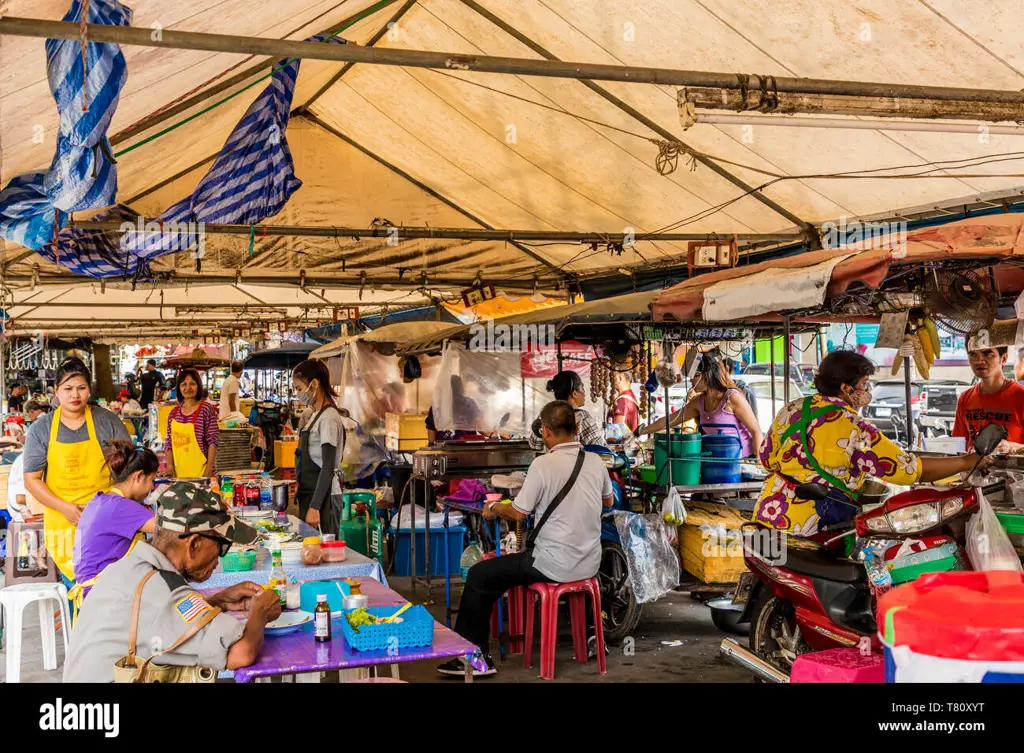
[{"x": 685, "y": 471}]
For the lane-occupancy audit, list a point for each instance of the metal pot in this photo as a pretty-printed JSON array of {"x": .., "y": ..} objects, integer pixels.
[
  {"x": 726, "y": 616},
  {"x": 280, "y": 495}
]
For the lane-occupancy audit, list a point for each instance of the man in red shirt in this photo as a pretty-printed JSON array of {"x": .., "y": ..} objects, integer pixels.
[{"x": 994, "y": 399}]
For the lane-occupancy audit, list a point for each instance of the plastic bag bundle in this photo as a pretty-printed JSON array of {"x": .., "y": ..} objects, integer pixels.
[
  {"x": 988, "y": 545},
  {"x": 673, "y": 511},
  {"x": 652, "y": 561}
]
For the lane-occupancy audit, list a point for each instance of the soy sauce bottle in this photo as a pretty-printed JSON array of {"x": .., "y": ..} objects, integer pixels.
[{"x": 322, "y": 620}]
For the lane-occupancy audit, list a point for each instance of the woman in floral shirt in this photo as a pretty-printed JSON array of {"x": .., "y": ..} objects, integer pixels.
[{"x": 845, "y": 450}]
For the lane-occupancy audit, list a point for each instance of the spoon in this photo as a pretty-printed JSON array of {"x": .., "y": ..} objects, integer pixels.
[{"x": 395, "y": 615}]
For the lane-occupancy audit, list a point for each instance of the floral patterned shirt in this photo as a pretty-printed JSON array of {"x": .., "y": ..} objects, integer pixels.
[{"x": 844, "y": 444}]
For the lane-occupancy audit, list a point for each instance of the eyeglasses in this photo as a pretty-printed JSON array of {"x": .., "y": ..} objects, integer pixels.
[{"x": 224, "y": 544}]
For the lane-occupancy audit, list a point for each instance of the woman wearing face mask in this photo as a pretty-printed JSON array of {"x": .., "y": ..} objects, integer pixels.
[
  {"x": 823, "y": 439},
  {"x": 321, "y": 446},
  {"x": 192, "y": 430}
]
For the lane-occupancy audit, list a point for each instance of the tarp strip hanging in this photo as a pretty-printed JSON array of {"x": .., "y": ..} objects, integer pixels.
[
  {"x": 86, "y": 79},
  {"x": 252, "y": 179}
]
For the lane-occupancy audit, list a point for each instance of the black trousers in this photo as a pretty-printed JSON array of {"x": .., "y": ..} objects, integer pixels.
[
  {"x": 485, "y": 584},
  {"x": 330, "y": 510}
]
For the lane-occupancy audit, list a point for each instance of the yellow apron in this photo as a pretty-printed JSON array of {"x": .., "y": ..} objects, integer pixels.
[
  {"x": 77, "y": 593},
  {"x": 75, "y": 473},
  {"x": 189, "y": 460}
]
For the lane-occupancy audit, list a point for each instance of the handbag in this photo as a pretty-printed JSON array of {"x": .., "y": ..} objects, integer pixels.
[
  {"x": 556, "y": 501},
  {"x": 125, "y": 669}
]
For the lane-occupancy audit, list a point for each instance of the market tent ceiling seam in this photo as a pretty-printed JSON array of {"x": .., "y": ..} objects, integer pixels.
[{"x": 421, "y": 147}]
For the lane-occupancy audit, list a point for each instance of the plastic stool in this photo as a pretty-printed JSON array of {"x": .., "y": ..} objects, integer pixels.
[
  {"x": 549, "y": 594},
  {"x": 838, "y": 665},
  {"x": 515, "y": 599},
  {"x": 14, "y": 599}
]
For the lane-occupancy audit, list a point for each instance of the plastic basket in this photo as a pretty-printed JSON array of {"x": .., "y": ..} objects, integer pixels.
[
  {"x": 237, "y": 562},
  {"x": 414, "y": 631}
]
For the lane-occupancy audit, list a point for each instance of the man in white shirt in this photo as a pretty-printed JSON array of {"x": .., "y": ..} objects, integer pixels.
[
  {"x": 566, "y": 547},
  {"x": 229, "y": 391}
]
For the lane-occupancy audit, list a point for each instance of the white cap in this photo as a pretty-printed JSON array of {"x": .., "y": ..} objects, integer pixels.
[
  {"x": 980, "y": 340},
  {"x": 321, "y": 597}
]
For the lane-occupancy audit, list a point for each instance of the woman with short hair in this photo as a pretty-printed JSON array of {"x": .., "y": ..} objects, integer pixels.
[{"x": 823, "y": 439}]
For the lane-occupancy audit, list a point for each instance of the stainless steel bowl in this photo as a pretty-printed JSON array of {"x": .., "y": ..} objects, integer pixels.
[{"x": 356, "y": 601}]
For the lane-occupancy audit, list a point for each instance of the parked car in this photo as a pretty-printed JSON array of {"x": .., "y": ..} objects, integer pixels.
[
  {"x": 940, "y": 408},
  {"x": 796, "y": 372}
]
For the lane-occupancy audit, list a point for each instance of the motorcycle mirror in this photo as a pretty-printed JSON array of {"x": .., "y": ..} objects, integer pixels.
[
  {"x": 988, "y": 439},
  {"x": 812, "y": 492}
]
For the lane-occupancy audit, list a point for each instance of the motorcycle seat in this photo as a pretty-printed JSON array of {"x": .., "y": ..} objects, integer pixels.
[{"x": 821, "y": 563}]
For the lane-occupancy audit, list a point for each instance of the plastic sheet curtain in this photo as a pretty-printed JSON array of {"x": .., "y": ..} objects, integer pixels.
[
  {"x": 484, "y": 392},
  {"x": 86, "y": 82},
  {"x": 372, "y": 387}
]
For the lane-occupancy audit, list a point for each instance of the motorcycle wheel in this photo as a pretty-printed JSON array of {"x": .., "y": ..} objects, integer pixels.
[
  {"x": 619, "y": 606},
  {"x": 774, "y": 635}
]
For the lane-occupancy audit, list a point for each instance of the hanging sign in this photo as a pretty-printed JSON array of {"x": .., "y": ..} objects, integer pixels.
[
  {"x": 541, "y": 361},
  {"x": 477, "y": 295}
]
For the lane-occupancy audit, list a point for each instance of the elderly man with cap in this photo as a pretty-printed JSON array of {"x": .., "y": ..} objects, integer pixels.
[
  {"x": 193, "y": 530},
  {"x": 994, "y": 399}
]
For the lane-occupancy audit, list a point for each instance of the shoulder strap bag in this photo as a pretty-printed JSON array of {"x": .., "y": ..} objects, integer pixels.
[{"x": 125, "y": 669}]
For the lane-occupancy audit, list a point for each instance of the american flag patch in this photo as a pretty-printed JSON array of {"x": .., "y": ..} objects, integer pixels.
[{"x": 191, "y": 607}]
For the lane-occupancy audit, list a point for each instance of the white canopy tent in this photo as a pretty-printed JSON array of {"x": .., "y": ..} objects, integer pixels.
[{"x": 423, "y": 147}]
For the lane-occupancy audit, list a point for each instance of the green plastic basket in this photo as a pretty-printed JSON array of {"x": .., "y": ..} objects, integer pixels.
[
  {"x": 237, "y": 562},
  {"x": 1013, "y": 522}
]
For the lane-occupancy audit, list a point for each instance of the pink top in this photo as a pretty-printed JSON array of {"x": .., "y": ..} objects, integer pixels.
[{"x": 723, "y": 417}]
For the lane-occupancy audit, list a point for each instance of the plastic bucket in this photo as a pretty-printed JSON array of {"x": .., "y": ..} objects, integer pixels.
[
  {"x": 722, "y": 447},
  {"x": 904, "y": 665},
  {"x": 684, "y": 472}
]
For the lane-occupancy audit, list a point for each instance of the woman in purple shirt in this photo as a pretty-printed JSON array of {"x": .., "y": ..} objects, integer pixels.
[{"x": 112, "y": 521}]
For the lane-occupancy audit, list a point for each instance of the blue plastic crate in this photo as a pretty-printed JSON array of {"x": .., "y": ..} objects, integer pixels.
[
  {"x": 456, "y": 543},
  {"x": 414, "y": 631}
]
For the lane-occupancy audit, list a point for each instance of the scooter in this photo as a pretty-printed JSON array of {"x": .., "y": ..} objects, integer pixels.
[
  {"x": 618, "y": 601},
  {"x": 799, "y": 599}
]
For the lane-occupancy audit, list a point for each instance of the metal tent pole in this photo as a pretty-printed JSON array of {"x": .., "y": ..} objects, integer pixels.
[
  {"x": 668, "y": 355},
  {"x": 771, "y": 381},
  {"x": 345, "y": 53},
  {"x": 908, "y": 388},
  {"x": 785, "y": 358}
]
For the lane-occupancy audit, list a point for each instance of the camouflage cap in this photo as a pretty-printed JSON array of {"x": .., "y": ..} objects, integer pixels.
[{"x": 186, "y": 507}]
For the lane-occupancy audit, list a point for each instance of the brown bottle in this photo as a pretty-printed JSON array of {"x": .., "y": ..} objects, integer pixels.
[{"x": 322, "y": 620}]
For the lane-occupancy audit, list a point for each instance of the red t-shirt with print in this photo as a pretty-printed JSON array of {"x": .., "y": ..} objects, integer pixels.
[{"x": 1006, "y": 407}]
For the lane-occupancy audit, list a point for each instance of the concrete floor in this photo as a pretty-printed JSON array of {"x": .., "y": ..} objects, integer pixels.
[{"x": 677, "y": 617}]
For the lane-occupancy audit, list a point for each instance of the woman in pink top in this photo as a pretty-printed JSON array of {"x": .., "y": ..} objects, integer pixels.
[{"x": 717, "y": 401}]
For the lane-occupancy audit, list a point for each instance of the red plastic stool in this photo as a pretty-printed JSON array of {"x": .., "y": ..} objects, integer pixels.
[
  {"x": 549, "y": 594},
  {"x": 515, "y": 605}
]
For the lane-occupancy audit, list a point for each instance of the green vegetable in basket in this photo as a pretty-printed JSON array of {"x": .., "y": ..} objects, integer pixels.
[{"x": 359, "y": 617}]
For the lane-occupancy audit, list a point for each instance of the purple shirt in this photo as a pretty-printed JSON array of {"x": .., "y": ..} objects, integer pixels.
[{"x": 105, "y": 531}]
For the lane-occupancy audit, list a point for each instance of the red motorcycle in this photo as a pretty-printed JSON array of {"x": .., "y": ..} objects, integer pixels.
[{"x": 800, "y": 597}]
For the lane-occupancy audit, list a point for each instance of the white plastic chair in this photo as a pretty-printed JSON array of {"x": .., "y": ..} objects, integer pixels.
[{"x": 14, "y": 599}]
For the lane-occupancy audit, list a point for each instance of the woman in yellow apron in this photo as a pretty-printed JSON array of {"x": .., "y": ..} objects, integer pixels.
[
  {"x": 64, "y": 462},
  {"x": 114, "y": 522},
  {"x": 192, "y": 431}
]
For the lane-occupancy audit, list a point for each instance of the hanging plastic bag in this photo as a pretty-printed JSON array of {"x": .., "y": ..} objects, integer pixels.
[
  {"x": 673, "y": 511},
  {"x": 653, "y": 563},
  {"x": 988, "y": 545}
]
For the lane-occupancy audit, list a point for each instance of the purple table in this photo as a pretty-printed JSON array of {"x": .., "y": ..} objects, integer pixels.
[{"x": 298, "y": 652}]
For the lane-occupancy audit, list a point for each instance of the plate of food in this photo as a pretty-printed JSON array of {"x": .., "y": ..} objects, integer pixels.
[{"x": 288, "y": 622}]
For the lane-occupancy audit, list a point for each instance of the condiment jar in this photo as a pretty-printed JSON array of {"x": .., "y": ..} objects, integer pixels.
[
  {"x": 312, "y": 552},
  {"x": 334, "y": 551}
]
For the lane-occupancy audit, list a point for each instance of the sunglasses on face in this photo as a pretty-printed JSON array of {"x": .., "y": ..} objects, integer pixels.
[{"x": 224, "y": 544}]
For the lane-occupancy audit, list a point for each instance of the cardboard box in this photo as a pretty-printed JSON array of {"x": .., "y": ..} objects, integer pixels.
[
  {"x": 284, "y": 452},
  {"x": 26, "y": 539},
  {"x": 711, "y": 542},
  {"x": 405, "y": 445},
  {"x": 406, "y": 425}
]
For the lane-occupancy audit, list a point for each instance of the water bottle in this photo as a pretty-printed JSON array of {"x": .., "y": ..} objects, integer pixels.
[
  {"x": 470, "y": 556},
  {"x": 266, "y": 492},
  {"x": 154, "y": 420},
  {"x": 878, "y": 574}
]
